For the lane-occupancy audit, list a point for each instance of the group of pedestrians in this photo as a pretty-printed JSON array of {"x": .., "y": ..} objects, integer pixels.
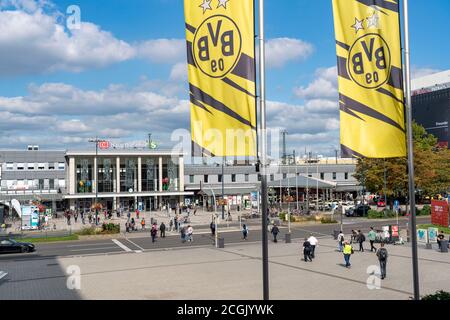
[
  {"x": 309, "y": 248},
  {"x": 345, "y": 246}
]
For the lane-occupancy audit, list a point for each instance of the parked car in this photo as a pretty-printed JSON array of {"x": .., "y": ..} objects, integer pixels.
[
  {"x": 12, "y": 246},
  {"x": 358, "y": 211}
]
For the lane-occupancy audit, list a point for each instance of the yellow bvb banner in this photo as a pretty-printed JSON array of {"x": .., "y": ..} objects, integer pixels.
[
  {"x": 369, "y": 67},
  {"x": 221, "y": 67}
]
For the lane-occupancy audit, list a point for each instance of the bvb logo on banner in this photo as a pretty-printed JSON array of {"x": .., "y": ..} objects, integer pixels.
[
  {"x": 217, "y": 46},
  {"x": 369, "y": 61}
]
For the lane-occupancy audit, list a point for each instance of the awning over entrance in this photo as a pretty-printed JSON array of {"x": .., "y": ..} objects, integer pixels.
[{"x": 228, "y": 191}]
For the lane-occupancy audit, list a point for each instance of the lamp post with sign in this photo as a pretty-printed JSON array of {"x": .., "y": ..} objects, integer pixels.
[{"x": 102, "y": 144}]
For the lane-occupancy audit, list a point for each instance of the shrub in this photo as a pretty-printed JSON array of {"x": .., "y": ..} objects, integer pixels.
[
  {"x": 88, "y": 231},
  {"x": 110, "y": 228},
  {"x": 373, "y": 214},
  {"x": 283, "y": 217},
  {"x": 426, "y": 211},
  {"x": 327, "y": 220},
  {"x": 439, "y": 295}
]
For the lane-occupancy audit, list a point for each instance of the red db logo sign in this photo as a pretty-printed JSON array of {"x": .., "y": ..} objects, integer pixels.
[{"x": 103, "y": 145}]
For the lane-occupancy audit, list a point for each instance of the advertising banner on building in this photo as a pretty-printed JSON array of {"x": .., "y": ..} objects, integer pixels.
[
  {"x": 370, "y": 77},
  {"x": 221, "y": 71}
]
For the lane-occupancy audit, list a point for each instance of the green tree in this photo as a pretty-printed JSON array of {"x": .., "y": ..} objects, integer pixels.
[{"x": 431, "y": 166}]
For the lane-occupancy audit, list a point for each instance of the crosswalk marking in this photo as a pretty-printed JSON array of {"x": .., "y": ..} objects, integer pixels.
[{"x": 121, "y": 245}]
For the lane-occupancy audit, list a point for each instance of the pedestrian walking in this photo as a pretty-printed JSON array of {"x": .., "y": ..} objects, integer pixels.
[
  {"x": 340, "y": 240},
  {"x": 354, "y": 236},
  {"x": 183, "y": 234},
  {"x": 440, "y": 237},
  {"x": 133, "y": 224},
  {"x": 143, "y": 223},
  {"x": 275, "y": 231},
  {"x": 76, "y": 217},
  {"x": 372, "y": 236},
  {"x": 90, "y": 218},
  {"x": 154, "y": 232},
  {"x": 137, "y": 213},
  {"x": 361, "y": 238},
  {"x": 171, "y": 225},
  {"x": 212, "y": 226},
  {"x": 162, "y": 229},
  {"x": 382, "y": 255},
  {"x": 347, "y": 251},
  {"x": 307, "y": 250},
  {"x": 129, "y": 215},
  {"x": 190, "y": 233},
  {"x": 245, "y": 232},
  {"x": 314, "y": 242}
]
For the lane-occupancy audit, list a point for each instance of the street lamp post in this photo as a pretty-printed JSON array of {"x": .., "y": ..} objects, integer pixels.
[{"x": 96, "y": 141}]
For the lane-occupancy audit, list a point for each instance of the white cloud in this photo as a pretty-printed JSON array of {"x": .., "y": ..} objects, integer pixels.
[
  {"x": 162, "y": 50},
  {"x": 324, "y": 86},
  {"x": 179, "y": 72},
  {"x": 422, "y": 72},
  {"x": 280, "y": 51},
  {"x": 52, "y": 47}
]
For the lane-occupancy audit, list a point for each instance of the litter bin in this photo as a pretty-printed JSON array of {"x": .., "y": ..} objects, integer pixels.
[
  {"x": 335, "y": 234},
  {"x": 221, "y": 242},
  {"x": 444, "y": 245},
  {"x": 287, "y": 238}
]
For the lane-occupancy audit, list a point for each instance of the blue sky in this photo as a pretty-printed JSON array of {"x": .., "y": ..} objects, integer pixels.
[{"x": 305, "y": 26}]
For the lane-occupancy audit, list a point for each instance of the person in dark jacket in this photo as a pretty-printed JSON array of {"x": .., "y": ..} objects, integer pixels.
[
  {"x": 307, "y": 250},
  {"x": 212, "y": 226},
  {"x": 361, "y": 238},
  {"x": 382, "y": 255},
  {"x": 162, "y": 230},
  {"x": 275, "y": 232},
  {"x": 154, "y": 232}
]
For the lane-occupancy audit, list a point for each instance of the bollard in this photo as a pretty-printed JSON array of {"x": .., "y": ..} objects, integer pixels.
[
  {"x": 221, "y": 243},
  {"x": 287, "y": 238}
]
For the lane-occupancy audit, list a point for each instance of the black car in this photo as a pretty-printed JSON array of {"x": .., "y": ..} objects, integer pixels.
[
  {"x": 359, "y": 211},
  {"x": 12, "y": 246}
]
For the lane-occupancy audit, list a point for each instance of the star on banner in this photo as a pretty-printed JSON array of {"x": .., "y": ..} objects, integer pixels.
[
  {"x": 358, "y": 25},
  {"x": 222, "y": 3},
  {"x": 373, "y": 21},
  {"x": 206, "y": 5}
]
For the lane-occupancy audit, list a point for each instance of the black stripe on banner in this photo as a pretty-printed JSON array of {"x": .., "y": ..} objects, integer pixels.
[
  {"x": 190, "y": 58},
  {"x": 245, "y": 68},
  {"x": 381, "y": 3},
  {"x": 198, "y": 104},
  {"x": 361, "y": 108},
  {"x": 343, "y": 45},
  {"x": 236, "y": 86},
  {"x": 390, "y": 94},
  {"x": 346, "y": 152},
  {"x": 207, "y": 99},
  {"x": 199, "y": 151},
  {"x": 190, "y": 28},
  {"x": 343, "y": 108},
  {"x": 342, "y": 67},
  {"x": 396, "y": 78}
]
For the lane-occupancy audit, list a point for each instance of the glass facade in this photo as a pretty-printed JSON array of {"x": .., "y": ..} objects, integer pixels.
[
  {"x": 128, "y": 175},
  {"x": 170, "y": 175},
  {"x": 84, "y": 175},
  {"x": 106, "y": 175},
  {"x": 149, "y": 174}
]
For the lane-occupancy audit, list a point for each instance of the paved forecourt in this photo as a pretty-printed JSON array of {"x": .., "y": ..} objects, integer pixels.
[{"x": 230, "y": 273}]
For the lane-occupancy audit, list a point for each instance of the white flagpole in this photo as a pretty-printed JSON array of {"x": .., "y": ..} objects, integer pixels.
[
  {"x": 412, "y": 200},
  {"x": 264, "y": 202}
]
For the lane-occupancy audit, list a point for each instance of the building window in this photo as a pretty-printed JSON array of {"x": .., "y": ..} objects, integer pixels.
[
  {"x": 41, "y": 184},
  {"x": 191, "y": 179},
  {"x": 322, "y": 176},
  {"x": 20, "y": 166},
  {"x": 150, "y": 174},
  {"x": 310, "y": 175},
  {"x": 346, "y": 176},
  {"x": 61, "y": 166},
  {"x": 334, "y": 175},
  {"x": 10, "y": 166},
  {"x": 246, "y": 177},
  {"x": 219, "y": 178},
  {"x": 30, "y": 166},
  {"x": 259, "y": 177},
  {"x": 84, "y": 175},
  {"x": 51, "y": 166},
  {"x": 272, "y": 177},
  {"x": 41, "y": 166},
  {"x": 233, "y": 178},
  {"x": 284, "y": 175},
  {"x": 106, "y": 175},
  {"x": 51, "y": 184},
  {"x": 205, "y": 178}
]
